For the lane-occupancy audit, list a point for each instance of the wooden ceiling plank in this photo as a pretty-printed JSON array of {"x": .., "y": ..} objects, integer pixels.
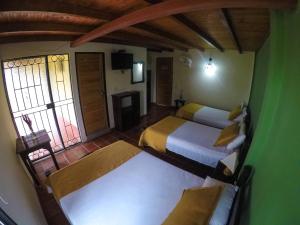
[
  {"x": 167, "y": 35},
  {"x": 186, "y": 22},
  {"x": 195, "y": 28},
  {"x": 226, "y": 18},
  {"x": 139, "y": 38},
  {"x": 118, "y": 40},
  {"x": 54, "y": 6},
  {"x": 46, "y": 35},
  {"x": 173, "y": 7},
  {"x": 11, "y": 20}
]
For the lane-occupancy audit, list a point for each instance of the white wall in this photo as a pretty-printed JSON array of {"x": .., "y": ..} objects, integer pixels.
[
  {"x": 15, "y": 186},
  {"x": 115, "y": 81},
  {"x": 229, "y": 87}
]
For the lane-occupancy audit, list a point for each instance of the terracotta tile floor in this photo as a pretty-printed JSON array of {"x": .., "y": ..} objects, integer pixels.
[{"x": 51, "y": 209}]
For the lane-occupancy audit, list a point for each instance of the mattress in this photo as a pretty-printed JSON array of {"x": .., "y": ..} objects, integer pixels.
[
  {"x": 195, "y": 141},
  {"x": 141, "y": 191}
]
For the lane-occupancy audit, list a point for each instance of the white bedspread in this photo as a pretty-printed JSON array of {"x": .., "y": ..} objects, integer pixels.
[
  {"x": 142, "y": 191},
  {"x": 212, "y": 117},
  {"x": 195, "y": 141}
]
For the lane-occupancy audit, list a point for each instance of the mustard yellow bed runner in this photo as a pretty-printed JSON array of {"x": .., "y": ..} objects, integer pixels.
[
  {"x": 195, "y": 207},
  {"x": 187, "y": 111},
  {"x": 156, "y": 135},
  {"x": 90, "y": 168}
]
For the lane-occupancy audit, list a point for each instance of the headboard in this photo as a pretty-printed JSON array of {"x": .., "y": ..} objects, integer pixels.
[{"x": 242, "y": 196}]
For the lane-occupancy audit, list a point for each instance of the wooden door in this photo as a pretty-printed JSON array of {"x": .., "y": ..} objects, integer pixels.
[
  {"x": 92, "y": 91},
  {"x": 164, "y": 80},
  {"x": 148, "y": 90}
]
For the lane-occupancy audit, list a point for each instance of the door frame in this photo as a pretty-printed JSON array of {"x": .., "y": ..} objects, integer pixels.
[
  {"x": 50, "y": 94},
  {"x": 156, "y": 80},
  {"x": 106, "y": 103}
]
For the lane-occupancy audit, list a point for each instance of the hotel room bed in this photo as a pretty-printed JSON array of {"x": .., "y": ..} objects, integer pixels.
[
  {"x": 191, "y": 140},
  {"x": 207, "y": 115},
  {"x": 120, "y": 184}
]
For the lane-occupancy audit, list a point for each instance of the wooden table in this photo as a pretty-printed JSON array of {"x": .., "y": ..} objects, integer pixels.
[
  {"x": 179, "y": 103},
  {"x": 27, "y": 144}
]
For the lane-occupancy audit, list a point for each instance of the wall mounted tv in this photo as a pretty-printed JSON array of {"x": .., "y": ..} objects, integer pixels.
[{"x": 121, "y": 61}]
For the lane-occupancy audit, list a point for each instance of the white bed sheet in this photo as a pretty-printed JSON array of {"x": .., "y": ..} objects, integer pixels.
[
  {"x": 212, "y": 117},
  {"x": 195, "y": 141},
  {"x": 142, "y": 191}
]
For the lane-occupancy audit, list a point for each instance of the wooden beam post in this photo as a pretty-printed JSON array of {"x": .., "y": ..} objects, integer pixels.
[
  {"x": 194, "y": 27},
  {"x": 172, "y": 7},
  {"x": 228, "y": 23}
]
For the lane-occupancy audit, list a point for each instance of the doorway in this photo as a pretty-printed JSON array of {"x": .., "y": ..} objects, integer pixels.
[
  {"x": 164, "y": 80},
  {"x": 40, "y": 87},
  {"x": 90, "y": 67}
]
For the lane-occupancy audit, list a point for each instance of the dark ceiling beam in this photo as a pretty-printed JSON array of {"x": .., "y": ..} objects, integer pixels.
[
  {"x": 195, "y": 28},
  {"x": 117, "y": 40},
  {"x": 122, "y": 34},
  {"x": 39, "y": 32},
  {"x": 65, "y": 14},
  {"x": 54, "y": 6},
  {"x": 227, "y": 20},
  {"x": 40, "y": 26},
  {"x": 45, "y": 16},
  {"x": 192, "y": 26},
  {"x": 173, "y": 7},
  {"x": 167, "y": 35},
  {"x": 36, "y": 26},
  {"x": 25, "y": 36}
]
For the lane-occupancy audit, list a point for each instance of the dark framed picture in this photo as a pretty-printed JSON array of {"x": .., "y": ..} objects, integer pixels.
[{"x": 137, "y": 74}]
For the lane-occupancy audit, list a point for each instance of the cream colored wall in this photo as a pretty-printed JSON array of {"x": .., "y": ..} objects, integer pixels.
[
  {"x": 15, "y": 186},
  {"x": 115, "y": 80},
  {"x": 229, "y": 87}
]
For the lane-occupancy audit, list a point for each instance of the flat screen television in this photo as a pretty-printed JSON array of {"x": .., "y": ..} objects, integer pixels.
[{"x": 121, "y": 61}]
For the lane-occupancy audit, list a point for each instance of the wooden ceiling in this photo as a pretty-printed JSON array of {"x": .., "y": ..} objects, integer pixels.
[{"x": 153, "y": 24}]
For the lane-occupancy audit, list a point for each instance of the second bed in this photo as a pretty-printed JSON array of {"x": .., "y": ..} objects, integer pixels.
[{"x": 191, "y": 140}]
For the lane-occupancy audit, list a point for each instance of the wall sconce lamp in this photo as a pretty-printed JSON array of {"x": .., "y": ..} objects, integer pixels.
[{"x": 210, "y": 68}]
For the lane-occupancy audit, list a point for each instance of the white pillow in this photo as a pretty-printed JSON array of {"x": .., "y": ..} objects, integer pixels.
[
  {"x": 221, "y": 213},
  {"x": 242, "y": 127},
  {"x": 237, "y": 142}
]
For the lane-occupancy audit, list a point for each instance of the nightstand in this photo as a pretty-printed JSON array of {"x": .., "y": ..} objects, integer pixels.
[{"x": 179, "y": 103}]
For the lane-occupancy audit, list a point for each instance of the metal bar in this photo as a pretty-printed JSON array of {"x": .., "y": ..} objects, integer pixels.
[
  {"x": 63, "y": 80},
  {"x": 58, "y": 92},
  {"x": 64, "y": 122},
  {"x": 51, "y": 99},
  {"x": 70, "y": 120},
  {"x": 47, "y": 116},
  {"x": 25, "y": 72},
  {"x": 42, "y": 120},
  {"x": 18, "y": 89},
  {"x": 34, "y": 86},
  {"x": 21, "y": 86},
  {"x": 12, "y": 79},
  {"x": 40, "y": 81}
]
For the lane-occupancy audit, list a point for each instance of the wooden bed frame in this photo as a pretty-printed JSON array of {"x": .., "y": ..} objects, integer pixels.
[{"x": 242, "y": 197}]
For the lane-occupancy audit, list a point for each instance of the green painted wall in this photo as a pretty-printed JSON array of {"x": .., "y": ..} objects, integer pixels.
[
  {"x": 275, "y": 150},
  {"x": 261, "y": 70}
]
